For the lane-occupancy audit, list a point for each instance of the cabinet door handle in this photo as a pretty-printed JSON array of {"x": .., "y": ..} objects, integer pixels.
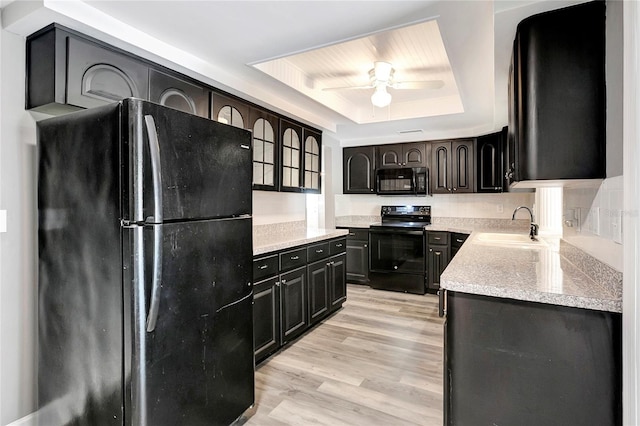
[
  {"x": 295, "y": 257},
  {"x": 277, "y": 283},
  {"x": 352, "y": 234},
  {"x": 283, "y": 282},
  {"x": 319, "y": 251},
  {"x": 339, "y": 245},
  {"x": 365, "y": 246},
  {"x": 263, "y": 267},
  {"x": 430, "y": 250},
  {"x": 455, "y": 189}
]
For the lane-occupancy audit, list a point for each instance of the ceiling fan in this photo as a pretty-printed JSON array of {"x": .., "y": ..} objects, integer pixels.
[{"x": 381, "y": 77}]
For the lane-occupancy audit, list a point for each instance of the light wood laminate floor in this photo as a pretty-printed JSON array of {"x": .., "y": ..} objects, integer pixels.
[{"x": 377, "y": 361}]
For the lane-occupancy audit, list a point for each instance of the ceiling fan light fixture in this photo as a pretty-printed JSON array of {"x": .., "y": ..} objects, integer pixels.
[{"x": 381, "y": 98}]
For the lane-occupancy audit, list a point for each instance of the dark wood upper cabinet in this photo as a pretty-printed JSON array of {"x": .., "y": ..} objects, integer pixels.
[
  {"x": 174, "y": 92},
  {"x": 265, "y": 128},
  {"x": 452, "y": 167},
  {"x": 291, "y": 156},
  {"x": 358, "y": 169},
  {"x": 311, "y": 157},
  {"x": 413, "y": 154},
  {"x": 66, "y": 72},
  {"x": 489, "y": 161},
  {"x": 99, "y": 76},
  {"x": 230, "y": 111},
  {"x": 557, "y": 95}
]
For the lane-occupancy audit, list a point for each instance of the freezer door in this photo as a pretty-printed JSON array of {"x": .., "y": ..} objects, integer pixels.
[
  {"x": 178, "y": 166},
  {"x": 194, "y": 365}
]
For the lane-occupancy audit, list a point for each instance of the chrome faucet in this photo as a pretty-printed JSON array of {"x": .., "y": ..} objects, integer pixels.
[{"x": 533, "y": 229}]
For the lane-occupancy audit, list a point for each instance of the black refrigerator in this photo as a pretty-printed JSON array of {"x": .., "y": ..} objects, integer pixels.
[{"x": 145, "y": 250}]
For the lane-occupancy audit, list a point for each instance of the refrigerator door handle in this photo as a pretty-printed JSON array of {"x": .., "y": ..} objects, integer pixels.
[
  {"x": 156, "y": 172},
  {"x": 154, "y": 303},
  {"x": 156, "y": 168}
]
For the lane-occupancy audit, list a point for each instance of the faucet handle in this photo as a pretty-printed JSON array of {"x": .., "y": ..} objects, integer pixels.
[{"x": 533, "y": 230}]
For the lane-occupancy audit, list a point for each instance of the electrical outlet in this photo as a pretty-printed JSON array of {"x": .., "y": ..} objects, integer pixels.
[
  {"x": 616, "y": 226},
  {"x": 500, "y": 208}
]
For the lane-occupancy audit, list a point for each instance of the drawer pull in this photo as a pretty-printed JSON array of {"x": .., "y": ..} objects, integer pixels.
[
  {"x": 459, "y": 241},
  {"x": 264, "y": 267},
  {"x": 339, "y": 245},
  {"x": 437, "y": 238},
  {"x": 295, "y": 257},
  {"x": 352, "y": 234},
  {"x": 320, "y": 251}
]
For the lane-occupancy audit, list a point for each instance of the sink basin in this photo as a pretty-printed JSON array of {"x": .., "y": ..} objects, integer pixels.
[{"x": 509, "y": 240}]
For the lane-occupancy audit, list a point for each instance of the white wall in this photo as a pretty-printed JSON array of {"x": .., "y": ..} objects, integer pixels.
[
  {"x": 278, "y": 207},
  {"x": 18, "y": 253}
]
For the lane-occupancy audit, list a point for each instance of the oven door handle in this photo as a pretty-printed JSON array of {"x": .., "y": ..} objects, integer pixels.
[{"x": 397, "y": 231}]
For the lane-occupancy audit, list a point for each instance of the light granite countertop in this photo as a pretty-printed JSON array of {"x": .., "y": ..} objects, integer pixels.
[
  {"x": 263, "y": 244},
  {"x": 490, "y": 264}
]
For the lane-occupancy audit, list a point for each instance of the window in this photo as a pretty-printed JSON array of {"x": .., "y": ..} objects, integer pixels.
[{"x": 263, "y": 153}]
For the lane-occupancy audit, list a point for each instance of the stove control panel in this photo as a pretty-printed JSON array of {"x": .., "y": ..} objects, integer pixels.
[{"x": 405, "y": 210}]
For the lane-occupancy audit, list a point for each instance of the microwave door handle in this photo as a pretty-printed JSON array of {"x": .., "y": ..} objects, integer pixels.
[{"x": 415, "y": 183}]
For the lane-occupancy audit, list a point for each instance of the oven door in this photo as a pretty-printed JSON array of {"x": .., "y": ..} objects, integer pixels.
[{"x": 398, "y": 260}]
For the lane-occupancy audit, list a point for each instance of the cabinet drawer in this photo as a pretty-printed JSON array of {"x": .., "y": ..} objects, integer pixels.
[
  {"x": 293, "y": 259},
  {"x": 457, "y": 239},
  {"x": 338, "y": 246},
  {"x": 318, "y": 251},
  {"x": 438, "y": 237},
  {"x": 358, "y": 234},
  {"x": 265, "y": 267}
]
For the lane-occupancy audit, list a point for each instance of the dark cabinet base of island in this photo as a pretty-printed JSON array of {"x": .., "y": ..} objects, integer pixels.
[{"x": 510, "y": 362}]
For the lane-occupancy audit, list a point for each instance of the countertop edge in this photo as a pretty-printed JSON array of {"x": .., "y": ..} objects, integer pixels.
[{"x": 266, "y": 245}]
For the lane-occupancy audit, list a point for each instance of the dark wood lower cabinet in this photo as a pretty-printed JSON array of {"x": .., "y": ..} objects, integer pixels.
[
  {"x": 293, "y": 296},
  {"x": 437, "y": 260},
  {"x": 337, "y": 280},
  {"x": 318, "y": 290},
  {"x": 511, "y": 362},
  {"x": 289, "y": 299},
  {"x": 266, "y": 317}
]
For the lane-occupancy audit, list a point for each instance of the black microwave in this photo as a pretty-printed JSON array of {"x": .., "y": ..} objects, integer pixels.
[{"x": 402, "y": 181}]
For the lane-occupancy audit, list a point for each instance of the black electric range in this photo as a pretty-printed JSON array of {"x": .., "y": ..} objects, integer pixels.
[
  {"x": 397, "y": 249},
  {"x": 404, "y": 217}
]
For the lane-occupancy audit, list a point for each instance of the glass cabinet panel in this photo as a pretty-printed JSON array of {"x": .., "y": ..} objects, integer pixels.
[
  {"x": 311, "y": 163},
  {"x": 230, "y": 115},
  {"x": 290, "y": 158},
  {"x": 263, "y": 152}
]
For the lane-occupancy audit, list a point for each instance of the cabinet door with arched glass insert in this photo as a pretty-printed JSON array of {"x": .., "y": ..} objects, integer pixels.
[
  {"x": 291, "y": 167},
  {"x": 230, "y": 111},
  {"x": 311, "y": 165},
  {"x": 174, "y": 92},
  {"x": 265, "y": 154}
]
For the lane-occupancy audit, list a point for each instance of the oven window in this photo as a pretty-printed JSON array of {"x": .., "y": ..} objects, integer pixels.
[{"x": 396, "y": 252}]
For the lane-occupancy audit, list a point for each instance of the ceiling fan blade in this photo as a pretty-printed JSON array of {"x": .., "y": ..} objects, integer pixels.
[
  {"x": 368, "y": 86},
  {"x": 426, "y": 84}
]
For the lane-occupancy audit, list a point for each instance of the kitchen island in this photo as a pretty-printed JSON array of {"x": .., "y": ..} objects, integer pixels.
[{"x": 532, "y": 334}]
